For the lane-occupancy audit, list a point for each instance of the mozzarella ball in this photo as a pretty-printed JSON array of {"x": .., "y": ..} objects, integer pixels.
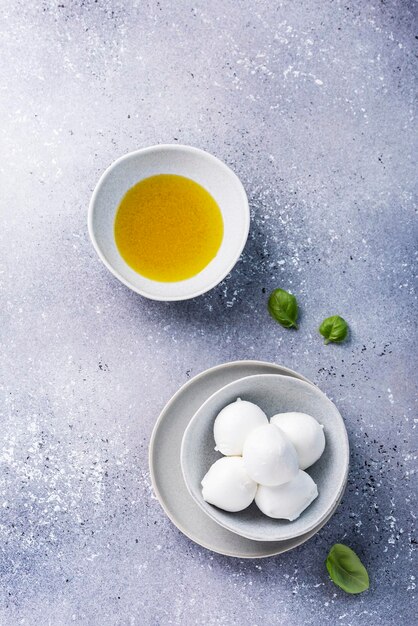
[
  {"x": 228, "y": 486},
  {"x": 306, "y": 434},
  {"x": 289, "y": 500},
  {"x": 269, "y": 457},
  {"x": 234, "y": 423}
]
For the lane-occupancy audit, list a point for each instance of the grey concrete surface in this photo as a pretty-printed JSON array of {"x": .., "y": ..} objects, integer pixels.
[{"x": 313, "y": 104}]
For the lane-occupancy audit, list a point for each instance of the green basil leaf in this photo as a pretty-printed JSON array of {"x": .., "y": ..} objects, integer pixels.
[
  {"x": 283, "y": 308},
  {"x": 346, "y": 569},
  {"x": 334, "y": 328}
]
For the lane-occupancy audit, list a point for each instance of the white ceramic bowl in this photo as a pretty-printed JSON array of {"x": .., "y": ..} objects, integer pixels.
[
  {"x": 205, "y": 169},
  {"x": 274, "y": 394}
]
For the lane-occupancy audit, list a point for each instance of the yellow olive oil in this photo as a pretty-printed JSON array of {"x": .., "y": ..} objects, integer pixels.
[{"x": 168, "y": 228}]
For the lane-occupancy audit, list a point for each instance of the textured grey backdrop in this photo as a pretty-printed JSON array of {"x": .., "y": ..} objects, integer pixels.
[{"x": 312, "y": 104}]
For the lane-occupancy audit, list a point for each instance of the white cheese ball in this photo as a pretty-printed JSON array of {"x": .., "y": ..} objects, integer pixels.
[
  {"x": 289, "y": 500},
  {"x": 269, "y": 457},
  {"x": 228, "y": 486},
  {"x": 306, "y": 434},
  {"x": 234, "y": 423}
]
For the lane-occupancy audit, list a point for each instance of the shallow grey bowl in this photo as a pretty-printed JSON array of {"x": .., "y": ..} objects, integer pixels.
[{"x": 274, "y": 394}]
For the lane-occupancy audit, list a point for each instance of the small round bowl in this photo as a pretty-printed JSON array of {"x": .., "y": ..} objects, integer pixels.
[
  {"x": 205, "y": 169},
  {"x": 274, "y": 394}
]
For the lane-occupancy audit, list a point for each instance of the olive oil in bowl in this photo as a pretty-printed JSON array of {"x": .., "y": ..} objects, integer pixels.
[{"x": 168, "y": 228}]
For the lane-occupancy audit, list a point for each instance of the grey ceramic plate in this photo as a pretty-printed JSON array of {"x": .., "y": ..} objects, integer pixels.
[
  {"x": 167, "y": 478},
  {"x": 274, "y": 394}
]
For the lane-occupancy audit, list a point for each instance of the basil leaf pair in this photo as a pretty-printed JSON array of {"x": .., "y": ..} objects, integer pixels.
[
  {"x": 283, "y": 307},
  {"x": 346, "y": 570}
]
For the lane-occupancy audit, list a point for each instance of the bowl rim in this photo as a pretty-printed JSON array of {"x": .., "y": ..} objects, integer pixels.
[
  {"x": 171, "y": 148},
  {"x": 340, "y": 485}
]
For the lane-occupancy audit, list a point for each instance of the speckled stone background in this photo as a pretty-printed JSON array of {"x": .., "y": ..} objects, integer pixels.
[{"x": 312, "y": 103}]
